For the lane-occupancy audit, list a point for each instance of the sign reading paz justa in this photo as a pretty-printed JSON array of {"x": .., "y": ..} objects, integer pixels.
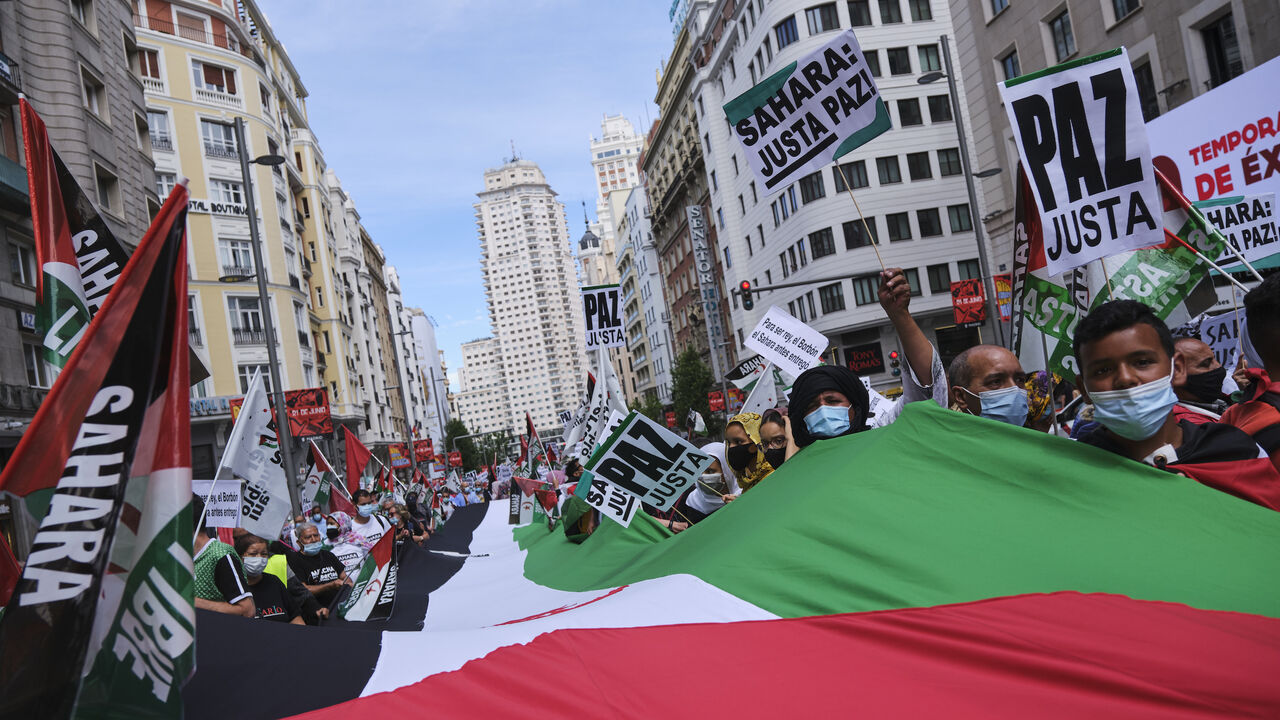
[
  {"x": 809, "y": 113},
  {"x": 646, "y": 462},
  {"x": 602, "y": 311},
  {"x": 786, "y": 342},
  {"x": 1082, "y": 139}
]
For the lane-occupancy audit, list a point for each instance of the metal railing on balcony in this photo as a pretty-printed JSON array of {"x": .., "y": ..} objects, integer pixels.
[
  {"x": 9, "y": 71},
  {"x": 224, "y": 40},
  {"x": 221, "y": 150},
  {"x": 162, "y": 142},
  {"x": 240, "y": 270},
  {"x": 241, "y": 336},
  {"x": 194, "y": 334}
]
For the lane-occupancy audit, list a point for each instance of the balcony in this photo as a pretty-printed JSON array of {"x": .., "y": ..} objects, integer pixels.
[
  {"x": 294, "y": 282},
  {"x": 304, "y": 339},
  {"x": 220, "y": 150},
  {"x": 162, "y": 142},
  {"x": 194, "y": 334},
  {"x": 224, "y": 40},
  {"x": 13, "y": 184},
  {"x": 241, "y": 270},
  {"x": 153, "y": 85},
  {"x": 221, "y": 99},
  {"x": 248, "y": 337},
  {"x": 9, "y": 73}
]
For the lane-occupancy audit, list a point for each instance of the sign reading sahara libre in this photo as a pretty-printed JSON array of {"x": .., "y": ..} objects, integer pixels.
[
  {"x": 602, "y": 311},
  {"x": 1247, "y": 221},
  {"x": 644, "y": 461},
  {"x": 1081, "y": 137},
  {"x": 809, "y": 113},
  {"x": 786, "y": 342}
]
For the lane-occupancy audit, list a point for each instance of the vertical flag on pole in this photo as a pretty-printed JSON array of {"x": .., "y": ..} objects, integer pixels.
[
  {"x": 318, "y": 483},
  {"x": 103, "y": 614},
  {"x": 358, "y": 457},
  {"x": 254, "y": 452}
]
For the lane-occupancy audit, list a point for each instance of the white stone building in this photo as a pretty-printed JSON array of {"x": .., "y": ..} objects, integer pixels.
[
  {"x": 431, "y": 371},
  {"x": 908, "y": 181},
  {"x": 644, "y": 306},
  {"x": 482, "y": 397}
]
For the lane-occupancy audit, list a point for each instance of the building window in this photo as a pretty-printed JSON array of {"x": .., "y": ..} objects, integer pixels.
[
  {"x": 213, "y": 78},
  {"x": 888, "y": 169},
  {"x": 108, "y": 189},
  {"x": 998, "y": 6},
  {"x": 804, "y": 256},
  {"x": 1009, "y": 64},
  {"x": 864, "y": 289},
  {"x": 37, "y": 376},
  {"x": 246, "y": 321},
  {"x": 728, "y": 261},
  {"x": 760, "y": 232},
  {"x": 913, "y": 280},
  {"x": 959, "y": 216},
  {"x": 715, "y": 185},
  {"x": 22, "y": 264},
  {"x": 968, "y": 269},
  {"x": 1124, "y": 7},
  {"x": 720, "y": 217},
  {"x": 1147, "y": 98},
  {"x": 929, "y": 59},
  {"x": 82, "y": 11},
  {"x": 822, "y": 18},
  {"x": 165, "y": 182},
  {"x": 236, "y": 257},
  {"x": 158, "y": 128},
  {"x": 1222, "y": 50},
  {"x": 909, "y": 112},
  {"x": 225, "y": 191},
  {"x": 786, "y": 269},
  {"x": 939, "y": 108},
  {"x": 831, "y": 297},
  {"x": 245, "y": 374},
  {"x": 930, "y": 222},
  {"x": 899, "y": 225},
  {"x": 918, "y": 167},
  {"x": 939, "y": 278},
  {"x": 219, "y": 140},
  {"x": 785, "y": 32},
  {"x": 899, "y": 61},
  {"x": 873, "y": 61},
  {"x": 920, "y": 10},
  {"x": 149, "y": 63},
  {"x": 1064, "y": 43},
  {"x": 949, "y": 162},
  {"x": 811, "y": 188},
  {"x": 193, "y": 321},
  {"x": 859, "y": 13},
  {"x": 754, "y": 198},
  {"x": 855, "y": 172},
  {"x": 94, "y": 94},
  {"x": 890, "y": 11},
  {"x": 823, "y": 243}
]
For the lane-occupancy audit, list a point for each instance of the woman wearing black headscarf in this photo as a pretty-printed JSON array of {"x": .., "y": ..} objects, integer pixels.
[{"x": 827, "y": 401}]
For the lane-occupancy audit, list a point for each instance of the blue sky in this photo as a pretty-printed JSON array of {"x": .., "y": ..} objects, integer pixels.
[{"x": 412, "y": 101}]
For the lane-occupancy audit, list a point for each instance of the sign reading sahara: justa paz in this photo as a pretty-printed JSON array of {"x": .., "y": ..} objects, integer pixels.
[
  {"x": 809, "y": 113},
  {"x": 1082, "y": 140},
  {"x": 602, "y": 311}
]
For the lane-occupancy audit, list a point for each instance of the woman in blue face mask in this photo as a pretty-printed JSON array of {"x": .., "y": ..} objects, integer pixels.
[{"x": 826, "y": 402}]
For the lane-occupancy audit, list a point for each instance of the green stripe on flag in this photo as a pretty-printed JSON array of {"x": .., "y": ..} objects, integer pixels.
[
  {"x": 942, "y": 508},
  {"x": 879, "y": 125},
  {"x": 1064, "y": 66},
  {"x": 744, "y": 106}
]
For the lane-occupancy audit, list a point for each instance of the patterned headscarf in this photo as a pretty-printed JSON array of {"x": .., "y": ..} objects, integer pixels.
[
  {"x": 346, "y": 534},
  {"x": 761, "y": 468},
  {"x": 1039, "y": 386}
]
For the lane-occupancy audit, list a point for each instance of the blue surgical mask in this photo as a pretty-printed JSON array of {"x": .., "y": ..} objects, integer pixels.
[
  {"x": 1006, "y": 405},
  {"x": 312, "y": 548},
  {"x": 317, "y": 517},
  {"x": 366, "y": 510},
  {"x": 827, "y": 421},
  {"x": 1135, "y": 413}
]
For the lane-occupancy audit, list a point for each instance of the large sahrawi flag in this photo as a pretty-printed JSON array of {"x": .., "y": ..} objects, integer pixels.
[
  {"x": 253, "y": 453},
  {"x": 811, "y": 112},
  {"x": 319, "y": 480},
  {"x": 907, "y": 577},
  {"x": 373, "y": 593},
  {"x": 102, "y": 621}
]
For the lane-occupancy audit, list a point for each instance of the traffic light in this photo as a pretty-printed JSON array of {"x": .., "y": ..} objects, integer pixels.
[
  {"x": 895, "y": 365},
  {"x": 747, "y": 302}
]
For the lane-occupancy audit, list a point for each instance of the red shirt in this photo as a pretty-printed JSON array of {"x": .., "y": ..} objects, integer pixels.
[{"x": 1259, "y": 416}]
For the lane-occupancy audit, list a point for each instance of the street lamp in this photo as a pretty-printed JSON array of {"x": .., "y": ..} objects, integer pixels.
[
  {"x": 984, "y": 265},
  {"x": 283, "y": 433}
]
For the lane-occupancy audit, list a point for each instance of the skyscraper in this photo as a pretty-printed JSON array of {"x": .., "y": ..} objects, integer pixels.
[{"x": 532, "y": 291}]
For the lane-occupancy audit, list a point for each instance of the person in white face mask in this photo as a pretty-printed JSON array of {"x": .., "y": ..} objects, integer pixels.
[
  {"x": 717, "y": 486},
  {"x": 1128, "y": 367},
  {"x": 270, "y": 598}
]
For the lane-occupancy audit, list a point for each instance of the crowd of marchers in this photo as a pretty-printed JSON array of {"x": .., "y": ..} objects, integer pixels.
[
  {"x": 305, "y": 574},
  {"x": 1144, "y": 392}
]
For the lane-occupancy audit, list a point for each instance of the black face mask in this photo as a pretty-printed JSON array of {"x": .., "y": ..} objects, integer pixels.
[
  {"x": 1207, "y": 386},
  {"x": 775, "y": 457},
  {"x": 739, "y": 455},
  {"x": 332, "y": 533}
]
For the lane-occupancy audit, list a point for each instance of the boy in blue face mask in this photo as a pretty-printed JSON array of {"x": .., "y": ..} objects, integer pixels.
[{"x": 1128, "y": 367}]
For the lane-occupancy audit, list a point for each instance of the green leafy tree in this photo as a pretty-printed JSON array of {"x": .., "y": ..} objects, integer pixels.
[
  {"x": 651, "y": 407},
  {"x": 690, "y": 382},
  {"x": 494, "y": 444},
  {"x": 470, "y": 455}
]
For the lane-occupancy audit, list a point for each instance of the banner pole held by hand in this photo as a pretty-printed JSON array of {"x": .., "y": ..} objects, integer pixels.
[{"x": 875, "y": 245}]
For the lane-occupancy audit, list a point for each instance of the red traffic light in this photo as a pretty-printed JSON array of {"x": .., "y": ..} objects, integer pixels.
[
  {"x": 745, "y": 285},
  {"x": 893, "y": 355}
]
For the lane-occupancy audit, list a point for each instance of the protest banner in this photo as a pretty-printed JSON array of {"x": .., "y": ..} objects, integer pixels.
[
  {"x": 1081, "y": 138},
  {"x": 373, "y": 593},
  {"x": 399, "y": 454},
  {"x": 786, "y": 342},
  {"x": 647, "y": 461},
  {"x": 455, "y": 459},
  {"x": 308, "y": 411},
  {"x": 1247, "y": 221},
  {"x": 1004, "y": 295},
  {"x": 424, "y": 450},
  {"x": 602, "y": 313},
  {"x": 745, "y": 373},
  {"x": 736, "y": 398},
  {"x": 809, "y": 113},
  {"x": 612, "y": 501},
  {"x": 968, "y": 302},
  {"x": 715, "y": 399},
  {"x": 1222, "y": 333},
  {"x": 670, "y": 417},
  {"x": 222, "y": 506},
  {"x": 253, "y": 450},
  {"x": 1225, "y": 142}
]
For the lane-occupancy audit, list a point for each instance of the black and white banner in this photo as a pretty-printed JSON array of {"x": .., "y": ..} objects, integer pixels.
[{"x": 602, "y": 312}]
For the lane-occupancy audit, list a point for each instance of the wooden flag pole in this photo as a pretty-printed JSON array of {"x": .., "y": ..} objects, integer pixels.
[{"x": 870, "y": 235}]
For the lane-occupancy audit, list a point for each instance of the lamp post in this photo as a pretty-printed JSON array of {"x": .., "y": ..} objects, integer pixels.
[
  {"x": 988, "y": 283},
  {"x": 283, "y": 433}
]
